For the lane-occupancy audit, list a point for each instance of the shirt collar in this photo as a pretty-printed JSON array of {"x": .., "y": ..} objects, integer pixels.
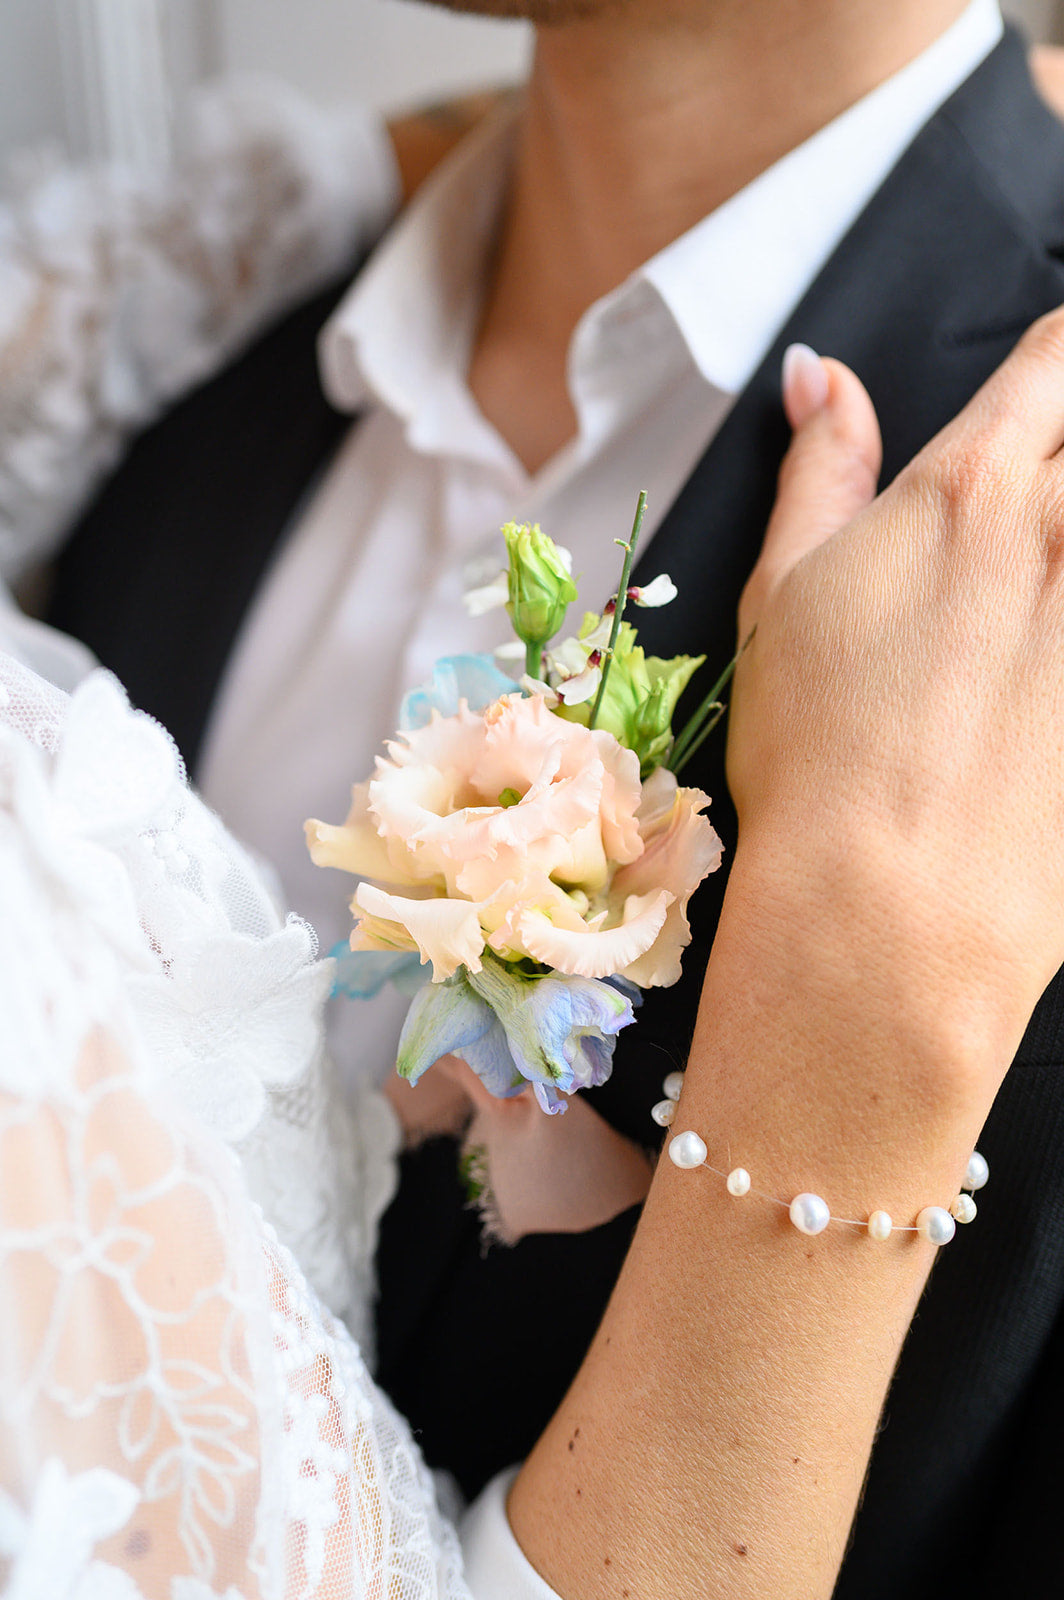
[
  {"x": 403, "y": 334},
  {"x": 733, "y": 279},
  {"x": 717, "y": 295}
]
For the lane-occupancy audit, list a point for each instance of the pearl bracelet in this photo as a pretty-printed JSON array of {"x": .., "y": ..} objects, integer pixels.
[{"x": 808, "y": 1212}]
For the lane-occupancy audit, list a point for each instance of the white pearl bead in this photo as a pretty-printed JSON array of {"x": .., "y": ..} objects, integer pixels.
[
  {"x": 977, "y": 1171},
  {"x": 809, "y": 1213},
  {"x": 880, "y": 1225},
  {"x": 687, "y": 1150},
  {"x": 936, "y": 1225},
  {"x": 964, "y": 1208},
  {"x": 673, "y": 1086},
  {"x": 664, "y": 1112},
  {"x": 738, "y": 1182}
]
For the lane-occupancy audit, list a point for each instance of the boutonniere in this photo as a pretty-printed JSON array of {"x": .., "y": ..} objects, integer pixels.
[{"x": 525, "y": 850}]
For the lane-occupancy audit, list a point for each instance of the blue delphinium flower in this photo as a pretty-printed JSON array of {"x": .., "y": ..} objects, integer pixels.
[
  {"x": 474, "y": 679},
  {"x": 556, "y": 1032}
]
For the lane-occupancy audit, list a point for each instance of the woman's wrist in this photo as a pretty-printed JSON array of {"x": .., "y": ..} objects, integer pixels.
[{"x": 826, "y": 1063}]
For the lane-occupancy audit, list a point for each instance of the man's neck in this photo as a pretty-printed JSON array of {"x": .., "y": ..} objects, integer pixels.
[{"x": 639, "y": 122}]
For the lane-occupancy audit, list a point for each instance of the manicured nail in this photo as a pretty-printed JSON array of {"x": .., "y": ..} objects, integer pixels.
[{"x": 805, "y": 384}]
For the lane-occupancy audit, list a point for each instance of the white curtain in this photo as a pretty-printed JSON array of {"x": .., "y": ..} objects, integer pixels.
[{"x": 126, "y": 63}]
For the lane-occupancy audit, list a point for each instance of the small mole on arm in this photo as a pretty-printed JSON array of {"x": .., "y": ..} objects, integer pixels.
[
  {"x": 740, "y": 1549},
  {"x": 139, "y": 1543}
]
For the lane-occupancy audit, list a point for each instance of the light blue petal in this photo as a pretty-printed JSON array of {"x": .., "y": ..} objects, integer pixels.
[
  {"x": 560, "y": 1029},
  {"x": 447, "y": 1018},
  {"x": 550, "y": 1100},
  {"x": 360, "y": 974},
  {"x": 625, "y": 986},
  {"x": 490, "y": 1058},
  {"x": 474, "y": 679},
  {"x": 593, "y": 1060},
  {"x": 590, "y": 1013}
]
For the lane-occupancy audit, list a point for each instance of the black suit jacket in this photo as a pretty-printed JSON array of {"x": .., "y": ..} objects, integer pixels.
[{"x": 960, "y": 250}]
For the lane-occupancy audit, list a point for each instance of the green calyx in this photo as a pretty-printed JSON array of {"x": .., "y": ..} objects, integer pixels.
[{"x": 640, "y": 697}]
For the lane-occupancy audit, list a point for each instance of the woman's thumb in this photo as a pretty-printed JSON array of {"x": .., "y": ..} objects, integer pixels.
[{"x": 829, "y": 474}]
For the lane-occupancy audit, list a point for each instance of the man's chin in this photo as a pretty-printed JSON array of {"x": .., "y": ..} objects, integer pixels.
[{"x": 542, "y": 12}]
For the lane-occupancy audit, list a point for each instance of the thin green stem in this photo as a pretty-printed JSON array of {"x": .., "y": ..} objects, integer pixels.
[
  {"x": 534, "y": 659},
  {"x": 677, "y": 766},
  {"x": 622, "y": 600},
  {"x": 696, "y": 729}
]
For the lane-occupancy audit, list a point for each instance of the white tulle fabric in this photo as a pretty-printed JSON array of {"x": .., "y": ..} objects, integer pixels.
[
  {"x": 117, "y": 295},
  {"x": 182, "y": 1417}
]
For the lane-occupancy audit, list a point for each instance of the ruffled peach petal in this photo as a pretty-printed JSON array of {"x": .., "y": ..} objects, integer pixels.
[
  {"x": 622, "y": 794},
  {"x": 657, "y": 800},
  {"x": 520, "y": 738},
  {"x": 598, "y": 954},
  {"x": 528, "y": 891},
  {"x": 660, "y": 966},
  {"x": 576, "y": 861},
  {"x": 357, "y": 850},
  {"x": 682, "y": 848},
  {"x": 378, "y": 933},
  {"x": 517, "y": 742},
  {"x": 403, "y": 799},
  {"x": 447, "y": 932},
  {"x": 426, "y": 773},
  {"x": 357, "y": 847},
  {"x": 446, "y": 743},
  {"x": 574, "y": 856},
  {"x": 560, "y": 809}
]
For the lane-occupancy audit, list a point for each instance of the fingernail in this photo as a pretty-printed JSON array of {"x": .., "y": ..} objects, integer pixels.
[{"x": 805, "y": 384}]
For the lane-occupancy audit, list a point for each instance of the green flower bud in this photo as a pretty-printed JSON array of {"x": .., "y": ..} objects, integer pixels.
[
  {"x": 540, "y": 586},
  {"x": 652, "y": 723}
]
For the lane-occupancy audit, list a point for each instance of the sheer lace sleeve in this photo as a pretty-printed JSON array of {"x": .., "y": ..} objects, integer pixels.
[
  {"x": 117, "y": 294},
  {"x": 180, "y": 1415}
]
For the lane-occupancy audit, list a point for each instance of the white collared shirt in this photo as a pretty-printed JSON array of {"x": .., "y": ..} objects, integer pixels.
[{"x": 366, "y": 594}]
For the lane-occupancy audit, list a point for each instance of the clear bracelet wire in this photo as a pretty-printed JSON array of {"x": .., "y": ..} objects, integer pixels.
[{"x": 808, "y": 1212}]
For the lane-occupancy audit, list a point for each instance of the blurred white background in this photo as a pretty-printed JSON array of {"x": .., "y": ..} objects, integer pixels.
[{"x": 100, "y": 75}]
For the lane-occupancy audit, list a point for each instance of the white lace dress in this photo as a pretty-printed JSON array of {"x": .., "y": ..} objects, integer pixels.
[
  {"x": 188, "y": 1206},
  {"x": 187, "y": 1209}
]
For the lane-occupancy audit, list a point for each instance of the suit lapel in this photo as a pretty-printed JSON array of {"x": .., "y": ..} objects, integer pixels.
[
  {"x": 952, "y": 259},
  {"x": 956, "y": 255}
]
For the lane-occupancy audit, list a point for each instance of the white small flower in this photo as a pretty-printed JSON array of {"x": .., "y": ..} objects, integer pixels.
[
  {"x": 536, "y": 686},
  {"x": 487, "y": 597},
  {"x": 658, "y": 593},
  {"x": 568, "y": 658},
  {"x": 574, "y": 691},
  {"x": 512, "y": 650},
  {"x": 599, "y": 637}
]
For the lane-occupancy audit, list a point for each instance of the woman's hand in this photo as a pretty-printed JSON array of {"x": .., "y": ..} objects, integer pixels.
[
  {"x": 895, "y": 907},
  {"x": 897, "y": 746}
]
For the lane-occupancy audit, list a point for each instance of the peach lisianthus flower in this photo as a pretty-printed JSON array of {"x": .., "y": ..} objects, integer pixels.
[{"x": 513, "y": 832}]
